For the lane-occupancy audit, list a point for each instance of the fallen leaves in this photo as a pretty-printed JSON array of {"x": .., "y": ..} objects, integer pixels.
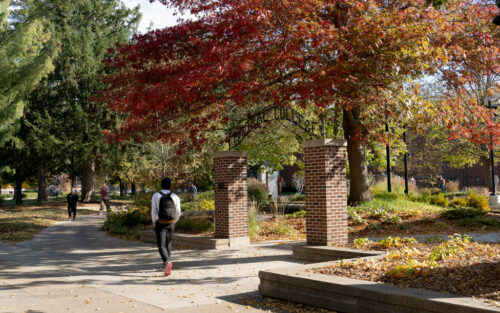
[{"x": 454, "y": 266}]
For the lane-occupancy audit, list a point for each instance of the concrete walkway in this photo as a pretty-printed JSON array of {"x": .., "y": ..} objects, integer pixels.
[{"x": 75, "y": 267}]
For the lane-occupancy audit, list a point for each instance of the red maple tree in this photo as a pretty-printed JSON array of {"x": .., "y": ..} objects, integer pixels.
[{"x": 176, "y": 82}]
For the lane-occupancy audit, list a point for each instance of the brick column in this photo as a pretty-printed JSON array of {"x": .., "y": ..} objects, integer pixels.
[
  {"x": 231, "y": 197},
  {"x": 325, "y": 184}
]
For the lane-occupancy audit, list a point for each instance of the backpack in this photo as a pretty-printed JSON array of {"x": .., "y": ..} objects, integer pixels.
[{"x": 167, "y": 207}]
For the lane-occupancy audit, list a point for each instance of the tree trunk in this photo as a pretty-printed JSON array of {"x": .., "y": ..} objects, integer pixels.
[
  {"x": 42, "y": 195},
  {"x": 18, "y": 190},
  {"x": 88, "y": 182},
  {"x": 132, "y": 189},
  {"x": 359, "y": 187},
  {"x": 486, "y": 165},
  {"x": 121, "y": 188}
]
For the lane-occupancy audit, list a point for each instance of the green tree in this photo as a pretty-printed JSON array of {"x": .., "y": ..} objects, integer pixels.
[
  {"x": 61, "y": 106},
  {"x": 26, "y": 52}
]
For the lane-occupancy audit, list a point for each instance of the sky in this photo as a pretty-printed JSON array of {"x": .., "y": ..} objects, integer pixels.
[{"x": 155, "y": 13}]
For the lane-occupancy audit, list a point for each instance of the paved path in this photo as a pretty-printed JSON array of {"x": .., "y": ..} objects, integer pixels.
[{"x": 75, "y": 267}]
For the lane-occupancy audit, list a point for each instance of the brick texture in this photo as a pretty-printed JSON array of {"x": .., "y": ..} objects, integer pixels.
[
  {"x": 231, "y": 196},
  {"x": 326, "y": 201}
]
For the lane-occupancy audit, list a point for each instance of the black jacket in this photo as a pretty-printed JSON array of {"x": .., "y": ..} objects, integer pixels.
[{"x": 72, "y": 200}]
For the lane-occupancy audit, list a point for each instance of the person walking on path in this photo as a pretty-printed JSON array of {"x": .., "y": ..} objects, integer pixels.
[
  {"x": 442, "y": 183},
  {"x": 105, "y": 198},
  {"x": 192, "y": 191},
  {"x": 72, "y": 199},
  {"x": 165, "y": 211}
]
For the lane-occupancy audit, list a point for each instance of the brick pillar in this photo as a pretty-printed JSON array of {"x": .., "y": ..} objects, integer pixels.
[
  {"x": 231, "y": 197},
  {"x": 325, "y": 184}
]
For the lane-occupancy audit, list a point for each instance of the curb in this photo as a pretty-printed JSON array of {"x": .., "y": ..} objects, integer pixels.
[{"x": 342, "y": 294}]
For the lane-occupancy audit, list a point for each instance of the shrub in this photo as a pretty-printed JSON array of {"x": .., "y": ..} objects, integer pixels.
[
  {"x": 452, "y": 186},
  {"x": 185, "y": 197},
  {"x": 458, "y": 202},
  {"x": 280, "y": 227},
  {"x": 206, "y": 205},
  {"x": 298, "y": 181},
  {"x": 463, "y": 212},
  {"x": 298, "y": 214},
  {"x": 430, "y": 191},
  {"x": 479, "y": 190},
  {"x": 397, "y": 186},
  {"x": 143, "y": 200},
  {"x": 472, "y": 200},
  {"x": 354, "y": 217},
  {"x": 195, "y": 224},
  {"x": 253, "y": 222},
  {"x": 393, "y": 220},
  {"x": 298, "y": 198},
  {"x": 189, "y": 206},
  {"x": 127, "y": 222},
  {"x": 478, "y": 201},
  {"x": 390, "y": 242},
  {"x": 257, "y": 191},
  {"x": 378, "y": 213},
  {"x": 477, "y": 221},
  {"x": 385, "y": 195},
  {"x": 439, "y": 200},
  {"x": 135, "y": 217},
  {"x": 453, "y": 246},
  {"x": 205, "y": 195}
]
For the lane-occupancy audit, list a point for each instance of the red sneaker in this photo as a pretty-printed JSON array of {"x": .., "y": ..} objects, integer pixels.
[{"x": 167, "y": 270}]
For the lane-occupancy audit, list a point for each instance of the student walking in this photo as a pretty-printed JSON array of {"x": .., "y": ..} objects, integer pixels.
[
  {"x": 192, "y": 191},
  {"x": 72, "y": 199},
  {"x": 105, "y": 198},
  {"x": 165, "y": 211}
]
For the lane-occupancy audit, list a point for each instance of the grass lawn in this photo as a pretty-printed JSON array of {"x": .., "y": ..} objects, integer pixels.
[{"x": 22, "y": 223}]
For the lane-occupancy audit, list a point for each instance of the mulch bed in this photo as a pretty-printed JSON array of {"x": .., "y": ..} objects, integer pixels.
[{"x": 454, "y": 266}]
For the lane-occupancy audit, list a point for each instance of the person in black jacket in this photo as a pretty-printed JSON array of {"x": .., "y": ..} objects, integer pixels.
[
  {"x": 164, "y": 228},
  {"x": 72, "y": 199}
]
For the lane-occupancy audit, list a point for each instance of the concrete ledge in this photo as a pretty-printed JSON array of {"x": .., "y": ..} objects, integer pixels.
[
  {"x": 351, "y": 295},
  {"x": 237, "y": 242},
  {"x": 230, "y": 154},
  {"x": 188, "y": 241},
  {"x": 325, "y": 253},
  {"x": 324, "y": 142}
]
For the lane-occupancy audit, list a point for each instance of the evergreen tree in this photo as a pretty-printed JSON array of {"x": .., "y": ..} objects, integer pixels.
[
  {"x": 26, "y": 52},
  {"x": 65, "y": 122}
]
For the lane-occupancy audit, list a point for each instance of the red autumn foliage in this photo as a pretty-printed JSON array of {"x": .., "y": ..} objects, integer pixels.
[
  {"x": 178, "y": 82},
  {"x": 472, "y": 74}
]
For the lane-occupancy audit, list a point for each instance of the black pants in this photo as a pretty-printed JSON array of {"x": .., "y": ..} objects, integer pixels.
[
  {"x": 72, "y": 209},
  {"x": 164, "y": 233}
]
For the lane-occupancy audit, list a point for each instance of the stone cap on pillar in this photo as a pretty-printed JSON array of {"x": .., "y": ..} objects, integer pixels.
[
  {"x": 324, "y": 142},
  {"x": 230, "y": 154}
]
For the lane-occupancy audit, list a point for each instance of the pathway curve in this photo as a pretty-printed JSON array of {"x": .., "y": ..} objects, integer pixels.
[{"x": 73, "y": 266}]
